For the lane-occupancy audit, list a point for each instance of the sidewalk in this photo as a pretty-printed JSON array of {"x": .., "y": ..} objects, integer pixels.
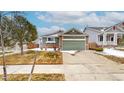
[
  {"x": 15, "y": 69},
  {"x": 84, "y": 66}
]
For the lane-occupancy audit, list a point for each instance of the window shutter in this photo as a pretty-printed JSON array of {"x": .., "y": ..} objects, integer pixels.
[
  {"x": 114, "y": 27},
  {"x": 123, "y": 23}
]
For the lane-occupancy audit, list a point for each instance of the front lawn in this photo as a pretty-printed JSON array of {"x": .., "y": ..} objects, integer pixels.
[
  {"x": 115, "y": 59},
  {"x": 28, "y": 58},
  {"x": 50, "y": 58},
  {"x": 35, "y": 77}
]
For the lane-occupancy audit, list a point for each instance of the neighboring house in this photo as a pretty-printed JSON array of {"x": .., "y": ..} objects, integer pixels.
[
  {"x": 51, "y": 40},
  {"x": 106, "y": 36},
  {"x": 69, "y": 40}
]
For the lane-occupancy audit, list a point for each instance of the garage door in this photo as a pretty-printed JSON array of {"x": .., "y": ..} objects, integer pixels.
[{"x": 73, "y": 45}]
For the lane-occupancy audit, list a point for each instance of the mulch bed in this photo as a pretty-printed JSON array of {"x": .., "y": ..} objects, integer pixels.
[{"x": 35, "y": 77}]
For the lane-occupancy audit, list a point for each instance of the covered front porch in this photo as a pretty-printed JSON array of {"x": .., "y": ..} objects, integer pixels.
[{"x": 110, "y": 39}]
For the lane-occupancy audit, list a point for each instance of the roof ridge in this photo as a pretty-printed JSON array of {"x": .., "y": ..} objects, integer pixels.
[
  {"x": 73, "y": 29},
  {"x": 59, "y": 31}
]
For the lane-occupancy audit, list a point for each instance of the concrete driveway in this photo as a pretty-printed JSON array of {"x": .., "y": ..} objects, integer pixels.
[{"x": 85, "y": 65}]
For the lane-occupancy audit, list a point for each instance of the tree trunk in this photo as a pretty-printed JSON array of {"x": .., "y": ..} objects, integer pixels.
[
  {"x": 21, "y": 46},
  {"x": 32, "y": 69},
  {"x": 3, "y": 52},
  {"x": 4, "y": 63}
]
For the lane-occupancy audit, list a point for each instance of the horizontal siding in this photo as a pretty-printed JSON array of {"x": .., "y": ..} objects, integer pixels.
[
  {"x": 92, "y": 36},
  {"x": 73, "y": 37},
  {"x": 44, "y": 40}
]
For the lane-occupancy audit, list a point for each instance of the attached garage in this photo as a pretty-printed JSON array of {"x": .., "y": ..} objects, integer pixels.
[
  {"x": 73, "y": 44},
  {"x": 73, "y": 40}
]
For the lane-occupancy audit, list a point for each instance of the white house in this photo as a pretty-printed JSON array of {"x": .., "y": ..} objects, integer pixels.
[{"x": 106, "y": 36}]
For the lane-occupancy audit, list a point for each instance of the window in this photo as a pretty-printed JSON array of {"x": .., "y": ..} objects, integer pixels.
[
  {"x": 110, "y": 37},
  {"x": 100, "y": 37},
  {"x": 50, "y": 40}
]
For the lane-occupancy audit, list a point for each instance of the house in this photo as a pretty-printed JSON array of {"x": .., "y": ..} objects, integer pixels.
[
  {"x": 72, "y": 39},
  {"x": 51, "y": 40},
  {"x": 106, "y": 36}
]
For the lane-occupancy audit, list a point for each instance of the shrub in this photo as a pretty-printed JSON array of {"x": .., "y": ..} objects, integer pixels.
[
  {"x": 51, "y": 54},
  {"x": 92, "y": 48},
  {"x": 99, "y": 49}
]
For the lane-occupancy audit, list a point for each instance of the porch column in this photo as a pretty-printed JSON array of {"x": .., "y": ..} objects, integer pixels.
[
  {"x": 104, "y": 39},
  {"x": 115, "y": 39}
]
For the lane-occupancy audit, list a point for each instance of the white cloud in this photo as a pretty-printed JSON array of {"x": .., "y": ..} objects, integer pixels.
[
  {"x": 84, "y": 18},
  {"x": 62, "y": 17},
  {"x": 45, "y": 30},
  {"x": 41, "y": 17},
  {"x": 115, "y": 16}
]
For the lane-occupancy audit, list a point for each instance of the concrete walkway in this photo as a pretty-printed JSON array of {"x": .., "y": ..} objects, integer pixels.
[
  {"x": 15, "y": 69},
  {"x": 85, "y": 65}
]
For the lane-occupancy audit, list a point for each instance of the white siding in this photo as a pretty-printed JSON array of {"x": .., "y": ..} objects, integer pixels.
[{"x": 92, "y": 36}]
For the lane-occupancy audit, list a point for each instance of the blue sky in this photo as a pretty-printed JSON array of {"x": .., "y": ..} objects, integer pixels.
[{"x": 51, "y": 21}]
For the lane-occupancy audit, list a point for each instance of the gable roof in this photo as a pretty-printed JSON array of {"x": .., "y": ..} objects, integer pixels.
[
  {"x": 57, "y": 33},
  {"x": 116, "y": 26},
  {"x": 97, "y": 29},
  {"x": 104, "y": 29},
  {"x": 73, "y": 31}
]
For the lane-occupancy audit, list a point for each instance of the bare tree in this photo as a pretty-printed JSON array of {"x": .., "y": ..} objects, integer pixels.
[
  {"x": 3, "y": 51},
  {"x": 33, "y": 66},
  {"x": 21, "y": 30},
  {"x": 4, "y": 34}
]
